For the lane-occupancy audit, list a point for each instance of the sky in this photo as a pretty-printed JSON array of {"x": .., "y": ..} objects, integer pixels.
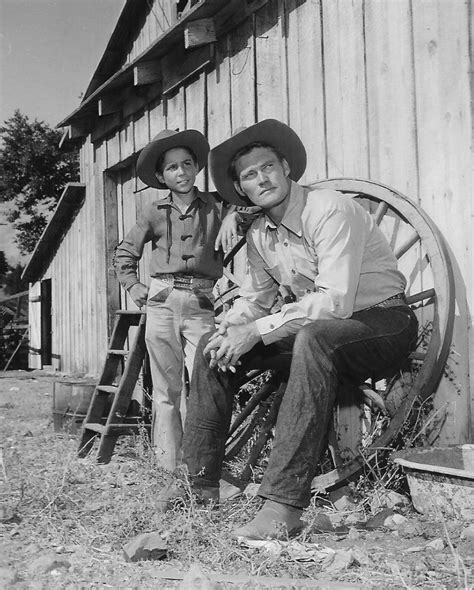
[{"x": 49, "y": 50}]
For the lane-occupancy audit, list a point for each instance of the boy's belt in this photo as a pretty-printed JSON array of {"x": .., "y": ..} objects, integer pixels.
[
  {"x": 186, "y": 282},
  {"x": 393, "y": 301}
]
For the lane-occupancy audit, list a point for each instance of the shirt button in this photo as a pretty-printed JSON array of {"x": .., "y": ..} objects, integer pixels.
[
  {"x": 272, "y": 326},
  {"x": 308, "y": 290},
  {"x": 293, "y": 271},
  {"x": 285, "y": 243}
]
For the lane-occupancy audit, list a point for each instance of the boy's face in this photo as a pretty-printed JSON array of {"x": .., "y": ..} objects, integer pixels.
[{"x": 179, "y": 171}]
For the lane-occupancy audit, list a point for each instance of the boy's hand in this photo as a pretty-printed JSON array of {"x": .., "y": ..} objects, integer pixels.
[
  {"x": 227, "y": 236},
  {"x": 139, "y": 293}
]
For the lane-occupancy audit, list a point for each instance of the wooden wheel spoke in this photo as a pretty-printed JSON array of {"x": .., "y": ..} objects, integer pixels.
[
  {"x": 382, "y": 208},
  {"x": 429, "y": 295},
  {"x": 413, "y": 239}
]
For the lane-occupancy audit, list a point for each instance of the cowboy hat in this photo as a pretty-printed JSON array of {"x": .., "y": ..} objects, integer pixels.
[
  {"x": 270, "y": 131},
  {"x": 167, "y": 140}
]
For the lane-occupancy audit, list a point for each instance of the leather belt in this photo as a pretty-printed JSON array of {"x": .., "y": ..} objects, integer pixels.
[
  {"x": 186, "y": 282},
  {"x": 393, "y": 301}
]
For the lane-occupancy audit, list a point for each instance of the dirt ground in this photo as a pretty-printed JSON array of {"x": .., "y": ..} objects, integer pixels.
[{"x": 64, "y": 523}]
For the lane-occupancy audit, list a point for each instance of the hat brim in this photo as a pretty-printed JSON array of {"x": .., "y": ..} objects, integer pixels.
[
  {"x": 190, "y": 138},
  {"x": 270, "y": 131}
]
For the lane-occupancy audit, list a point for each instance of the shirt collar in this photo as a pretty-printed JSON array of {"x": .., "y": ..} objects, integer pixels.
[
  {"x": 292, "y": 218},
  {"x": 168, "y": 200}
]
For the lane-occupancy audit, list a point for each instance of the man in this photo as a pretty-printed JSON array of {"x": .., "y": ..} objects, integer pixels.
[{"x": 346, "y": 317}]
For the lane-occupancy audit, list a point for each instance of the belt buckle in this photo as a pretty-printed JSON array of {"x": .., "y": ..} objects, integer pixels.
[{"x": 183, "y": 282}]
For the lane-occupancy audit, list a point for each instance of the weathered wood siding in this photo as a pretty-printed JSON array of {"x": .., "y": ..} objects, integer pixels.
[
  {"x": 162, "y": 15},
  {"x": 376, "y": 89}
]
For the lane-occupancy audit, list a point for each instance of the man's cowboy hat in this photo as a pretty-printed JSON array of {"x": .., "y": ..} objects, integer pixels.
[
  {"x": 167, "y": 140},
  {"x": 270, "y": 131}
]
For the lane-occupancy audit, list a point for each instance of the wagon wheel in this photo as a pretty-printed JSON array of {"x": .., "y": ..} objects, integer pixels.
[{"x": 387, "y": 406}]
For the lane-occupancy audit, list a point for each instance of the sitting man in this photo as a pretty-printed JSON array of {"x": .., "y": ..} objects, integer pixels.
[{"x": 345, "y": 318}]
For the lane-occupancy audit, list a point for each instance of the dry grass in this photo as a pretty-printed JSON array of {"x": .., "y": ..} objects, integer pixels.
[{"x": 86, "y": 513}]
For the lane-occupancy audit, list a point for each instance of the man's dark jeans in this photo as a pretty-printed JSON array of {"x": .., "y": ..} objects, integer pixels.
[{"x": 326, "y": 353}]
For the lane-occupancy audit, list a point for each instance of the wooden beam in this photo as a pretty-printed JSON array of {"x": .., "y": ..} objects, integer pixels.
[
  {"x": 199, "y": 32},
  {"x": 110, "y": 103},
  {"x": 182, "y": 64},
  {"x": 147, "y": 72},
  {"x": 105, "y": 126},
  {"x": 72, "y": 134}
]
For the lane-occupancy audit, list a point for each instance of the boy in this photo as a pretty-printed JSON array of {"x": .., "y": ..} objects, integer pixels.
[{"x": 183, "y": 228}]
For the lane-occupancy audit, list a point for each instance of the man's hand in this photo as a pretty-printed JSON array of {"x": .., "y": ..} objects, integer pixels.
[
  {"x": 227, "y": 236},
  {"x": 139, "y": 293},
  {"x": 229, "y": 343}
]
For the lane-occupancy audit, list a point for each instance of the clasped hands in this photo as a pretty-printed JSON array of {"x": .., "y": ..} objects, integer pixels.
[{"x": 229, "y": 343}]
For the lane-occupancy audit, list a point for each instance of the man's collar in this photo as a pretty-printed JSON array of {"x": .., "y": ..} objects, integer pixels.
[{"x": 292, "y": 218}]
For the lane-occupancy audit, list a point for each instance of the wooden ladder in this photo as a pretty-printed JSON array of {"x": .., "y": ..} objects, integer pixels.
[{"x": 108, "y": 415}]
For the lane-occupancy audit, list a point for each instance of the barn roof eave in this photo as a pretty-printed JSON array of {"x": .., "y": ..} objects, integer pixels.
[
  {"x": 124, "y": 76},
  {"x": 68, "y": 205}
]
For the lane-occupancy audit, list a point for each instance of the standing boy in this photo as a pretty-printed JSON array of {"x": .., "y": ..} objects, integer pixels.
[{"x": 183, "y": 228}]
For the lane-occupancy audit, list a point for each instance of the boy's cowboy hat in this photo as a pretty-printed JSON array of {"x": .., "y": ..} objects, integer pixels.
[
  {"x": 270, "y": 131},
  {"x": 167, "y": 140}
]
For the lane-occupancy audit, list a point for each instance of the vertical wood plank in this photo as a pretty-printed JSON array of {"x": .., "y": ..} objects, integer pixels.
[
  {"x": 126, "y": 139},
  {"x": 444, "y": 126},
  {"x": 242, "y": 74},
  {"x": 113, "y": 150},
  {"x": 305, "y": 83},
  {"x": 141, "y": 130},
  {"x": 157, "y": 119},
  {"x": 391, "y": 95},
  {"x": 218, "y": 98},
  {"x": 100, "y": 295},
  {"x": 34, "y": 321},
  {"x": 175, "y": 111},
  {"x": 270, "y": 53},
  {"x": 195, "y": 114},
  {"x": 345, "y": 95}
]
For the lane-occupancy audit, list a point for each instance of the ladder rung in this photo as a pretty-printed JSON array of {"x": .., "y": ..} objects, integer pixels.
[
  {"x": 107, "y": 388},
  {"x": 118, "y": 352},
  {"x": 126, "y": 428},
  {"x": 95, "y": 427},
  {"x": 129, "y": 312}
]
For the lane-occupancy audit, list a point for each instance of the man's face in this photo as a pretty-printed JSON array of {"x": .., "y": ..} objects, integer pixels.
[
  {"x": 179, "y": 171},
  {"x": 263, "y": 178}
]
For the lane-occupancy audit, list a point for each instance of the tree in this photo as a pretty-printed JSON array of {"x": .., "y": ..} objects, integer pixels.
[
  {"x": 33, "y": 173},
  {"x": 4, "y": 266}
]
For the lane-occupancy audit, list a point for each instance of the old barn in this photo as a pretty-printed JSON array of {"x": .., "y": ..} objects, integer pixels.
[{"x": 379, "y": 90}]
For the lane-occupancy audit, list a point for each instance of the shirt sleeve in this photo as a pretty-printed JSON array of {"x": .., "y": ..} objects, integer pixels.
[
  {"x": 129, "y": 252},
  {"x": 257, "y": 292},
  {"x": 337, "y": 236},
  {"x": 245, "y": 215}
]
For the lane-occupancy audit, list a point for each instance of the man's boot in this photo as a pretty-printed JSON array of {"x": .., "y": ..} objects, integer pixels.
[
  {"x": 178, "y": 491},
  {"x": 273, "y": 521}
]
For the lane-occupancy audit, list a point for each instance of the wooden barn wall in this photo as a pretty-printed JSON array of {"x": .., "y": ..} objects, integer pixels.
[
  {"x": 377, "y": 90},
  {"x": 162, "y": 15},
  {"x": 79, "y": 328}
]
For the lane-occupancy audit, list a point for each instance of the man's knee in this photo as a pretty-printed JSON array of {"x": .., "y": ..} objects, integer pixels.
[{"x": 315, "y": 339}]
